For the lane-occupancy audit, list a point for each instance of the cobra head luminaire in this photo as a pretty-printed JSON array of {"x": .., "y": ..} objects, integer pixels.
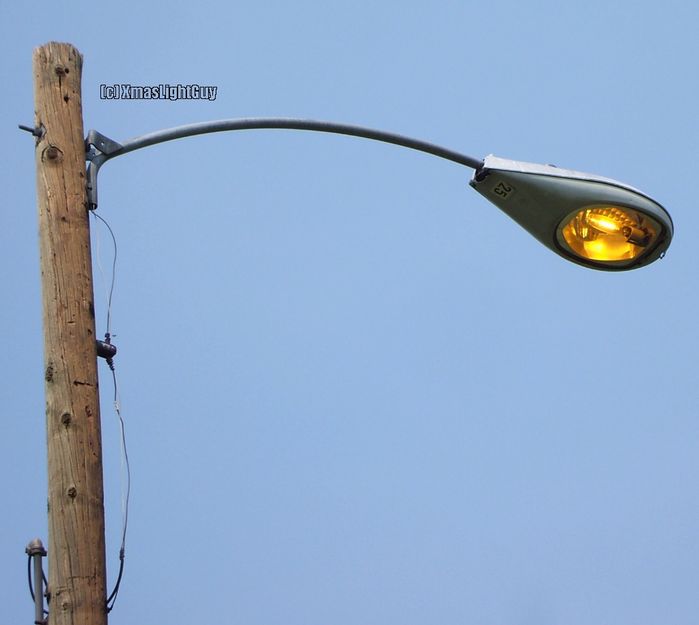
[{"x": 593, "y": 221}]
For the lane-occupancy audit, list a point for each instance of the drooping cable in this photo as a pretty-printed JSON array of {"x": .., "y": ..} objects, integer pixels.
[{"x": 125, "y": 465}]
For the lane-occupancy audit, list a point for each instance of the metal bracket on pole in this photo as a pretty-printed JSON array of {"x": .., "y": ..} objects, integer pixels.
[
  {"x": 98, "y": 148},
  {"x": 104, "y": 144}
]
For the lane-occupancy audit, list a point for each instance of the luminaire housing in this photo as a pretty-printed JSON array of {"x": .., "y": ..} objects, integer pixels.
[
  {"x": 593, "y": 221},
  {"x": 590, "y": 220}
]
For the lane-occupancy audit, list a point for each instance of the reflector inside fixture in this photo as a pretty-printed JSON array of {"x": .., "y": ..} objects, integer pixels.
[{"x": 608, "y": 233}]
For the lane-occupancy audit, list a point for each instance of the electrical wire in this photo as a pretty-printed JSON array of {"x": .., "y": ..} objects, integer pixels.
[
  {"x": 126, "y": 493},
  {"x": 125, "y": 465},
  {"x": 110, "y": 292}
]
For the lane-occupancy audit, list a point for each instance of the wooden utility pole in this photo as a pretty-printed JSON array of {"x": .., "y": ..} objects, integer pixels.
[{"x": 76, "y": 553}]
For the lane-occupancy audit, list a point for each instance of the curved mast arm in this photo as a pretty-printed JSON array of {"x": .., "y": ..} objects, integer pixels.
[{"x": 102, "y": 149}]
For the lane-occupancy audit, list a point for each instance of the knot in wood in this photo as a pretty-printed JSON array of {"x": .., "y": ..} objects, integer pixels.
[{"x": 52, "y": 153}]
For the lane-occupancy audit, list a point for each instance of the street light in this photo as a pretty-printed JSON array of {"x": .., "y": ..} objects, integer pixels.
[{"x": 593, "y": 221}]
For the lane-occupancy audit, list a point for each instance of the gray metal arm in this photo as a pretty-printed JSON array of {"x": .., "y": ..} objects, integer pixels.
[{"x": 101, "y": 149}]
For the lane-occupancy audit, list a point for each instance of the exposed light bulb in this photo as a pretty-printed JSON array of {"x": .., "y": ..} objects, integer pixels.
[{"x": 608, "y": 233}]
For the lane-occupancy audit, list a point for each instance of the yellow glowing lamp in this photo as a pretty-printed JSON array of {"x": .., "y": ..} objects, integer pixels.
[
  {"x": 590, "y": 220},
  {"x": 609, "y": 233}
]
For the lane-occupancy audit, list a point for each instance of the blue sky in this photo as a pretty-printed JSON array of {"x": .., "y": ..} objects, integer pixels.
[{"x": 354, "y": 391}]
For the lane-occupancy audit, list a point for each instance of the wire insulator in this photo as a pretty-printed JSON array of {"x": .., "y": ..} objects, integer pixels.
[{"x": 105, "y": 349}]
